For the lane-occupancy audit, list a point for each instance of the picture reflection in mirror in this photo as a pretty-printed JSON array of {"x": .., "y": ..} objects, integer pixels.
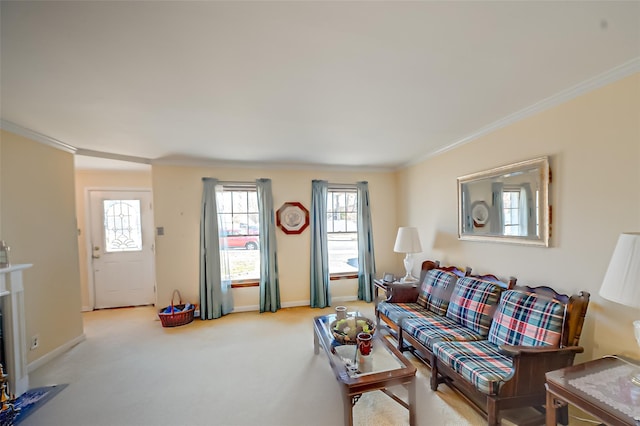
[{"x": 507, "y": 204}]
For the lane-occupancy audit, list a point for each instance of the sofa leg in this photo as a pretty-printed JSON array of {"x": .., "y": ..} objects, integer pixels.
[
  {"x": 434, "y": 373},
  {"x": 400, "y": 338},
  {"x": 434, "y": 380},
  {"x": 492, "y": 412}
]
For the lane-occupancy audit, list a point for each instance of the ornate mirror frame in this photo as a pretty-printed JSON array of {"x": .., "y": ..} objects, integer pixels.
[{"x": 507, "y": 204}]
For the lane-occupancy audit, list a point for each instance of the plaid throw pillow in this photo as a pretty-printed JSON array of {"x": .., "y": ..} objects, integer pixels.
[
  {"x": 435, "y": 291},
  {"x": 527, "y": 319},
  {"x": 473, "y": 304}
]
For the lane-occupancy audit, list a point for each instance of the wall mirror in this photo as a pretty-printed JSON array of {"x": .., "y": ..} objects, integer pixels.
[{"x": 508, "y": 204}]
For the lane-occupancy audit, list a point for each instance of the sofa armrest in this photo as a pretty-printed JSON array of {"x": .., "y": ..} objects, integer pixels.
[
  {"x": 530, "y": 363},
  {"x": 402, "y": 293},
  {"x": 516, "y": 351}
]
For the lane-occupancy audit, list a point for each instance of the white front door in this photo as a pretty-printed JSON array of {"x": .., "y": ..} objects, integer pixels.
[{"x": 122, "y": 248}]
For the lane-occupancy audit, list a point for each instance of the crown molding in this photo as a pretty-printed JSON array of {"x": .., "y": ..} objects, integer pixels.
[
  {"x": 38, "y": 137},
  {"x": 181, "y": 161},
  {"x": 112, "y": 156},
  {"x": 614, "y": 74}
]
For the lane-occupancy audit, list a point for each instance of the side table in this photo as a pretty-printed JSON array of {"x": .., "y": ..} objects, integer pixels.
[
  {"x": 378, "y": 285},
  {"x": 601, "y": 387}
]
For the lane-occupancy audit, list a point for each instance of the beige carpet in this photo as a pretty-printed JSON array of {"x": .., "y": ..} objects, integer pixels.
[{"x": 242, "y": 369}]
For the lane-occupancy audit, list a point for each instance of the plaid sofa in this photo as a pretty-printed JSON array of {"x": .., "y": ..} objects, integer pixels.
[
  {"x": 491, "y": 341},
  {"x": 465, "y": 316},
  {"x": 533, "y": 331},
  {"x": 522, "y": 319},
  {"x": 450, "y": 305}
]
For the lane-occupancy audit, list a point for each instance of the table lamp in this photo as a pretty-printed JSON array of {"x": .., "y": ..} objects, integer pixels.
[
  {"x": 408, "y": 241},
  {"x": 621, "y": 283}
]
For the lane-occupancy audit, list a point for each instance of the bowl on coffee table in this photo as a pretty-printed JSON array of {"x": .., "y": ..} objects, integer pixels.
[{"x": 346, "y": 330}]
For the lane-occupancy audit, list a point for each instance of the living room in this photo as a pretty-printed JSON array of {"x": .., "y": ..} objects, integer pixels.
[{"x": 589, "y": 131}]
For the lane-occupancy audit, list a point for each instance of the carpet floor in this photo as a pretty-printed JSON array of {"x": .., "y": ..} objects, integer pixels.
[{"x": 242, "y": 369}]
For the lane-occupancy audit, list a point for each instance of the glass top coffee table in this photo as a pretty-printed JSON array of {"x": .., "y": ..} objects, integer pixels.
[{"x": 383, "y": 368}]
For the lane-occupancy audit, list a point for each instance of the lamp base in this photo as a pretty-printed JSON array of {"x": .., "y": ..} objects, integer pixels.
[
  {"x": 408, "y": 279},
  {"x": 408, "y": 266}
]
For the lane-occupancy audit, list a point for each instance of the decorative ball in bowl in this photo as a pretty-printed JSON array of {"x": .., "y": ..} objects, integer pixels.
[{"x": 345, "y": 330}]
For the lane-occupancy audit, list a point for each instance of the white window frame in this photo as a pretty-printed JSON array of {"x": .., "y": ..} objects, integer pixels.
[
  {"x": 352, "y": 212},
  {"x": 238, "y": 231}
]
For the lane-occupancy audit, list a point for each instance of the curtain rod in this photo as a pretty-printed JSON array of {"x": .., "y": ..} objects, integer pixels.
[
  {"x": 233, "y": 183},
  {"x": 342, "y": 185}
]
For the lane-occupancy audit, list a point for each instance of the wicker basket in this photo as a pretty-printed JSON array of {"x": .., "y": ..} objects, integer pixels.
[{"x": 175, "y": 319}]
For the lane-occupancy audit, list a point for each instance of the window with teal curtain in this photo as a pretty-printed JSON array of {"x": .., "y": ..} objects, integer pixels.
[
  {"x": 366, "y": 258},
  {"x": 216, "y": 298},
  {"x": 319, "y": 282},
  {"x": 269, "y": 280}
]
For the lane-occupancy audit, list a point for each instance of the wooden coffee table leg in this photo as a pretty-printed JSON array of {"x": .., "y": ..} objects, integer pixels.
[
  {"x": 412, "y": 402},
  {"x": 551, "y": 410},
  {"x": 347, "y": 401}
]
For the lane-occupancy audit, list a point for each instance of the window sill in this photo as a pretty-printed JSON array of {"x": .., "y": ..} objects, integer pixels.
[
  {"x": 332, "y": 277},
  {"x": 343, "y": 276},
  {"x": 243, "y": 284}
]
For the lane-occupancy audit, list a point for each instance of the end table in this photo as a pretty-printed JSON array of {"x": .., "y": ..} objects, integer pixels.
[{"x": 601, "y": 388}]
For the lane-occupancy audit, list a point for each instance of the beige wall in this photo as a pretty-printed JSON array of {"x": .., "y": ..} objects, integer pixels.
[
  {"x": 104, "y": 180},
  {"x": 38, "y": 222},
  {"x": 177, "y": 198},
  {"x": 594, "y": 145}
]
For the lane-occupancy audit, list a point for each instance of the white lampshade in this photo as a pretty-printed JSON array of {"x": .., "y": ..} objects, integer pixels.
[
  {"x": 621, "y": 283},
  {"x": 407, "y": 240}
]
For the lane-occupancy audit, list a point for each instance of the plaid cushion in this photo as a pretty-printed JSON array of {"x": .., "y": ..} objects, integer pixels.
[
  {"x": 527, "y": 319},
  {"x": 479, "y": 363},
  {"x": 428, "y": 330},
  {"x": 396, "y": 311},
  {"x": 473, "y": 303},
  {"x": 435, "y": 291}
]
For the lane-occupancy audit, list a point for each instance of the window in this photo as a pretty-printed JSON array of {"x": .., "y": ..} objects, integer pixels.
[
  {"x": 122, "y": 230},
  {"x": 238, "y": 223},
  {"x": 511, "y": 211},
  {"x": 342, "y": 230}
]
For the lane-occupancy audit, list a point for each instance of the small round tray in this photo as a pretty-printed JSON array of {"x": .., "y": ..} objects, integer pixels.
[{"x": 347, "y": 336}]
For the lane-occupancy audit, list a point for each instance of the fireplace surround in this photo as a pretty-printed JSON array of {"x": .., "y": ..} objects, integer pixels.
[{"x": 15, "y": 340}]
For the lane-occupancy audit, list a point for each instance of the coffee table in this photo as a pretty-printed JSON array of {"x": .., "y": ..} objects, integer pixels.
[{"x": 385, "y": 367}]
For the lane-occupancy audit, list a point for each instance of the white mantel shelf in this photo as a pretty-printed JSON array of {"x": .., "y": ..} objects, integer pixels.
[{"x": 15, "y": 339}]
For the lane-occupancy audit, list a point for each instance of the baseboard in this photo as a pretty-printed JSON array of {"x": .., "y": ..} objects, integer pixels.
[
  {"x": 344, "y": 299},
  {"x": 34, "y": 365},
  {"x": 87, "y": 309},
  {"x": 248, "y": 308},
  {"x": 296, "y": 304}
]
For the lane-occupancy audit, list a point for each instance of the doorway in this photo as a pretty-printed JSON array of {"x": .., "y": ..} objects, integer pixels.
[{"x": 122, "y": 248}]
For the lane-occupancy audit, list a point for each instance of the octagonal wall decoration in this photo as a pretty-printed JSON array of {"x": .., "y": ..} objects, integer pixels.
[{"x": 292, "y": 218}]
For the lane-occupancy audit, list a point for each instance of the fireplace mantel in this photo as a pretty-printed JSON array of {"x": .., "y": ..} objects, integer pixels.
[{"x": 15, "y": 339}]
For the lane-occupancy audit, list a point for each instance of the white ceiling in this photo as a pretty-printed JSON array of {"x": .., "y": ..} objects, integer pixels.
[{"x": 376, "y": 84}]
